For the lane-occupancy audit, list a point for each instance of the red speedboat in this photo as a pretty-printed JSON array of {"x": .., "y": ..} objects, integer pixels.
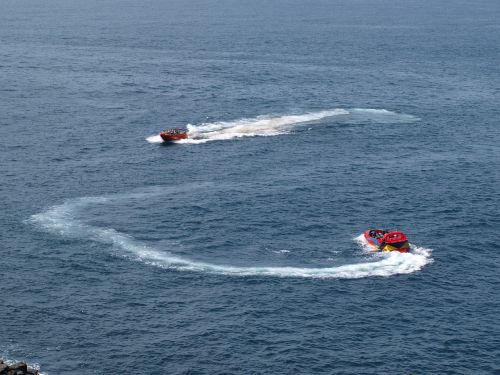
[
  {"x": 387, "y": 241},
  {"x": 171, "y": 135}
]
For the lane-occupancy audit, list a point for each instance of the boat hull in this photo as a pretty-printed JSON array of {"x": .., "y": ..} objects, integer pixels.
[{"x": 173, "y": 135}]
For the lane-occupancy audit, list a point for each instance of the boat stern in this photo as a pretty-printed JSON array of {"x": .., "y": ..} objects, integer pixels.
[{"x": 395, "y": 241}]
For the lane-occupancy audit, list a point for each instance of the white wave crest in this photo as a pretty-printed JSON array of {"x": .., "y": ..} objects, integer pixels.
[
  {"x": 62, "y": 220},
  {"x": 154, "y": 139}
]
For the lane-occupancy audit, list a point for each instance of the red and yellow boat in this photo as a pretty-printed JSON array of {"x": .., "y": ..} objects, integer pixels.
[{"x": 387, "y": 241}]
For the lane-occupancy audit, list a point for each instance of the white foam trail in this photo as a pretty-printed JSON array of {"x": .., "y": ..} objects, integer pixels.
[
  {"x": 363, "y": 243},
  {"x": 281, "y": 251},
  {"x": 384, "y": 115},
  {"x": 62, "y": 220},
  {"x": 263, "y": 126},
  {"x": 266, "y": 126},
  {"x": 154, "y": 139}
]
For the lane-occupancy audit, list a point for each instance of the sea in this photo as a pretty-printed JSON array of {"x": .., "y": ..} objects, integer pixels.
[{"x": 239, "y": 250}]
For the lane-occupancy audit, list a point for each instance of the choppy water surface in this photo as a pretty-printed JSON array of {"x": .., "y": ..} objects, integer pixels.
[{"x": 238, "y": 250}]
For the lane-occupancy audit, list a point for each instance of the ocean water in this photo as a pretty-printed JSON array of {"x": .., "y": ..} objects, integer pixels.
[{"x": 238, "y": 251}]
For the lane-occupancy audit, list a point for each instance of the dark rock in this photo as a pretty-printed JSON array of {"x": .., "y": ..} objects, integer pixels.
[{"x": 19, "y": 366}]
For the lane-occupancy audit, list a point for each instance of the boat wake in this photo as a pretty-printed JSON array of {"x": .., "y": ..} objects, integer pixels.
[
  {"x": 154, "y": 139},
  {"x": 266, "y": 126},
  {"x": 263, "y": 126},
  {"x": 63, "y": 220}
]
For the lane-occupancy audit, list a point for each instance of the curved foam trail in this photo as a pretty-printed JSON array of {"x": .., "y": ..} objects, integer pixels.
[{"x": 62, "y": 220}]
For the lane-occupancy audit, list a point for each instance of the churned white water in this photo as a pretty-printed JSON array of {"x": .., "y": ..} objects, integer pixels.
[
  {"x": 267, "y": 126},
  {"x": 63, "y": 220}
]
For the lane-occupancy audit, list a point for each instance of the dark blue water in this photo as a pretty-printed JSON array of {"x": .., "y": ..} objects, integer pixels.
[{"x": 236, "y": 251}]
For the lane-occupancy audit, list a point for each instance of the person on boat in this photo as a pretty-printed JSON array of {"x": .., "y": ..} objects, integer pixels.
[
  {"x": 381, "y": 239},
  {"x": 382, "y": 245},
  {"x": 378, "y": 234}
]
